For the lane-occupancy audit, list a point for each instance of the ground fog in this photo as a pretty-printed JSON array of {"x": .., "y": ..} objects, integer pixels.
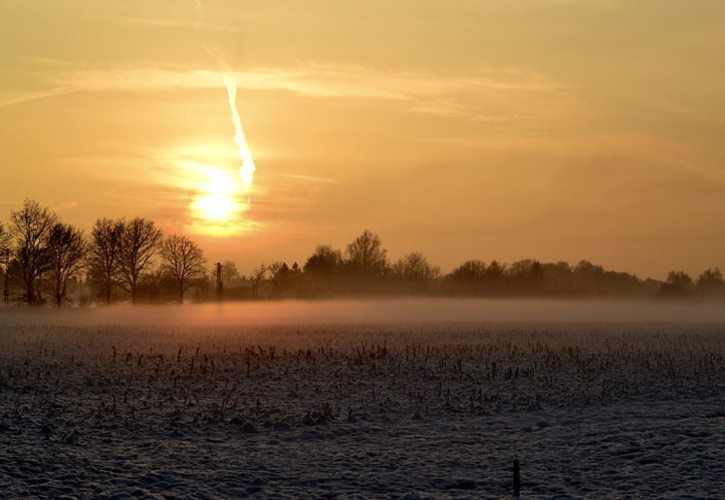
[{"x": 408, "y": 398}]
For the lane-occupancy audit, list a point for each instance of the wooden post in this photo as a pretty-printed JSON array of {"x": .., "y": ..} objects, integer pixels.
[{"x": 517, "y": 479}]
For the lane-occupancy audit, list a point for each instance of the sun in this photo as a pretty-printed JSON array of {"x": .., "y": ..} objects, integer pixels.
[{"x": 218, "y": 206}]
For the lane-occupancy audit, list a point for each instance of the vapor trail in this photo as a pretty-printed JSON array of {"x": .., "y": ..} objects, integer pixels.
[{"x": 247, "y": 169}]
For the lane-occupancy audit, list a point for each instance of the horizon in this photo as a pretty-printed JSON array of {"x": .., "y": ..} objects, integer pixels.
[
  {"x": 394, "y": 258},
  {"x": 558, "y": 131}
]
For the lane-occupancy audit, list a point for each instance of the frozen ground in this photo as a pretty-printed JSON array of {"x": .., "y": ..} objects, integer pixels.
[{"x": 133, "y": 404}]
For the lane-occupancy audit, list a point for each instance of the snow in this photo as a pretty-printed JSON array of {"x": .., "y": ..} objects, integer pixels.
[{"x": 392, "y": 409}]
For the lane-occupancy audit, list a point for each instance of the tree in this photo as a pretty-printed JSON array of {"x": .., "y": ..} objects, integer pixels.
[
  {"x": 468, "y": 278},
  {"x": 415, "y": 267},
  {"x": 325, "y": 261},
  {"x": 710, "y": 282},
  {"x": 5, "y": 240},
  {"x": 366, "y": 254},
  {"x": 678, "y": 284},
  {"x": 104, "y": 254},
  {"x": 67, "y": 251},
  {"x": 495, "y": 271},
  {"x": 184, "y": 261},
  {"x": 679, "y": 279},
  {"x": 280, "y": 277},
  {"x": 526, "y": 276},
  {"x": 257, "y": 278},
  {"x": 230, "y": 274},
  {"x": 31, "y": 227},
  {"x": 470, "y": 271},
  {"x": 139, "y": 243}
]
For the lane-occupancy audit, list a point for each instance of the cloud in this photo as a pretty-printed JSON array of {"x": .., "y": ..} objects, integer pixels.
[
  {"x": 488, "y": 94},
  {"x": 443, "y": 95},
  {"x": 10, "y": 99},
  {"x": 168, "y": 22},
  {"x": 327, "y": 80}
]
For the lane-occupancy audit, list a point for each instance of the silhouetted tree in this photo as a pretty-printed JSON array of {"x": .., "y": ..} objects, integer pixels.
[
  {"x": 31, "y": 227},
  {"x": 281, "y": 276},
  {"x": 414, "y": 273},
  {"x": 5, "y": 240},
  {"x": 157, "y": 285},
  {"x": 710, "y": 282},
  {"x": 67, "y": 251},
  {"x": 526, "y": 276},
  {"x": 104, "y": 254},
  {"x": 495, "y": 271},
  {"x": 230, "y": 274},
  {"x": 257, "y": 279},
  {"x": 468, "y": 278},
  {"x": 679, "y": 284},
  {"x": 139, "y": 242},
  {"x": 184, "y": 261},
  {"x": 679, "y": 279},
  {"x": 558, "y": 278},
  {"x": 366, "y": 255},
  {"x": 469, "y": 271},
  {"x": 325, "y": 261},
  {"x": 415, "y": 267}
]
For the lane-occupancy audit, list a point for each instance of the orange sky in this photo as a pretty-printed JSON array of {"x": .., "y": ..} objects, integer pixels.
[{"x": 555, "y": 129}]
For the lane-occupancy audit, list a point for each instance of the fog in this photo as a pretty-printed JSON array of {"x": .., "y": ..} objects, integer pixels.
[{"x": 391, "y": 311}]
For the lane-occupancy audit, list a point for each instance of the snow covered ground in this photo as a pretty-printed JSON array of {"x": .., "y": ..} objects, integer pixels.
[{"x": 118, "y": 405}]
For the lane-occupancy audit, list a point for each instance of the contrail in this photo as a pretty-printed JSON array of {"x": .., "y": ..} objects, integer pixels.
[{"x": 246, "y": 171}]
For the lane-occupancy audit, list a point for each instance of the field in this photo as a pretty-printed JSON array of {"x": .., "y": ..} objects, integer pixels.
[{"x": 296, "y": 403}]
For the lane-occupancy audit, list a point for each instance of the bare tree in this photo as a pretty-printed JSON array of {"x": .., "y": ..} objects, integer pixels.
[
  {"x": 366, "y": 254},
  {"x": 31, "y": 227},
  {"x": 710, "y": 282},
  {"x": 104, "y": 253},
  {"x": 257, "y": 278},
  {"x": 415, "y": 267},
  {"x": 139, "y": 241},
  {"x": 230, "y": 274},
  {"x": 5, "y": 240},
  {"x": 67, "y": 250},
  {"x": 184, "y": 261}
]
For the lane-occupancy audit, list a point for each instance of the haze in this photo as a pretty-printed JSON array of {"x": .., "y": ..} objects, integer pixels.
[
  {"x": 553, "y": 129},
  {"x": 431, "y": 312}
]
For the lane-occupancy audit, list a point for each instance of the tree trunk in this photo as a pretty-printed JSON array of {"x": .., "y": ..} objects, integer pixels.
[
  {"x": 58, "y": 289},
  {"x": 133, "y": 291},
  {"x": 29, "y": 289},
  {"x": 108, "y": 291}
]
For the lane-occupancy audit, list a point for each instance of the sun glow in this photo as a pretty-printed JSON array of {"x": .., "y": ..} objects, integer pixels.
[
  {"x": 222, "y": 194},
  {"x": 218, "y": 207}
]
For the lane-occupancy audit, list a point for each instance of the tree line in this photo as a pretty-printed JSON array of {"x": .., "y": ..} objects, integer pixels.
[
  {"x": 44, "y": 256},
  {"x": 131, "y": 260}
]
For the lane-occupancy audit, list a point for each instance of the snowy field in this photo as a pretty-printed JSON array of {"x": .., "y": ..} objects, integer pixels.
[{"x": 402, "y": 399}]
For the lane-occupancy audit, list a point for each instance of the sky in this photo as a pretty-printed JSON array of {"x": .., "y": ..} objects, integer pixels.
[{"x": 551, "y": 129}]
